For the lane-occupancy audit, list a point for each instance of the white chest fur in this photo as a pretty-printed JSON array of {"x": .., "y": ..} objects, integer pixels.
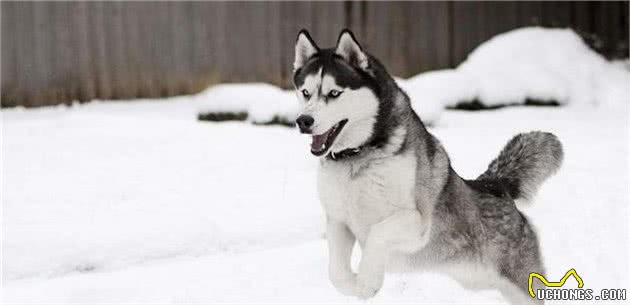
[{"x": 363, "y": 197}]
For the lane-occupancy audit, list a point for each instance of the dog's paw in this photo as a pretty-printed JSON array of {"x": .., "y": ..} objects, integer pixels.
[
  {"x": 365, "y": 292},
  {"x": 367, "y": 287},
  {"x": 345, "y": 285}
]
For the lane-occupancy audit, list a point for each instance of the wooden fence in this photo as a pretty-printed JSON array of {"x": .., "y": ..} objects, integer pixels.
[{"x": 58, "y": 52}]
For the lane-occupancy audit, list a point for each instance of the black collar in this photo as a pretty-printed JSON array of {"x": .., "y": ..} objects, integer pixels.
[{"x": 346, "y": 153}]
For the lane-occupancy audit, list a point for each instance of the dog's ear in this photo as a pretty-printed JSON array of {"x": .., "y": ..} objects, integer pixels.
[
  {"x": 350, "y": 50},
  {"x": 305, "y": 48}
]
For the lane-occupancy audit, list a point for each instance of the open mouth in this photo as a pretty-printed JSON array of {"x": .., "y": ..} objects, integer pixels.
[{"x": 321, "y": 143}]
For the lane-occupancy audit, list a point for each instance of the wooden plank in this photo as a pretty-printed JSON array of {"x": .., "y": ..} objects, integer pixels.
[
  {"x": 116, "y": 43},
  {"x": 85, "y": 73},
  {"x": 623, "y": 27},
  {"x": 133, "y": 48},
  {"x": 426, "y": 32},
  {"x": 327, "y": 28},
  {"x": 220, "y": 54},
  {"x": 45, "y": 50},
  {"x": 530, "y": 13},
  {"x": 397, "y": 41},
  {"x": 70, "y": 87},
  {"x": 581, "y": 17},
  {"x": 356, "y": 17},
  {"x": 158, "y": 21},
  {"x": 296, "y": 16},
  {"x": 272, "y": 65},
  {"x": 237, "y": 24},
  {"x": 8, "y": 54},
  {"x": 99, "y": 50},
  {"x": 408, "y": 37},
  {"x": 476, "y": 22},
  {"x": 25, "y": 54},
  {"x": 252, "y": 44},
  {"x": 610, "y": 24},
  {"x": 556, "y": 13},
  {"x": 377, "y": 29},
  {"x": 180, "y": 42},
  {"x": 147, "y": 72},
  {"x": 204, "y": 45},
  {"x": 466, "y": 30},
  {"x": 63, "y": 80},
  {"x": 188, "y": 65}
]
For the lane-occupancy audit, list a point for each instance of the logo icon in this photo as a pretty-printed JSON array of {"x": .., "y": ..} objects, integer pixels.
[{"x": 533, "y": 275}]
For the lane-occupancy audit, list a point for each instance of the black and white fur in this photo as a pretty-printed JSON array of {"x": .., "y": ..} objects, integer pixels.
[{"x": 387, "y": 183}]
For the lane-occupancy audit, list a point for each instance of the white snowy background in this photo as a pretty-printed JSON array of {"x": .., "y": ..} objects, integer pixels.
[{"x": 138, "y": 202}]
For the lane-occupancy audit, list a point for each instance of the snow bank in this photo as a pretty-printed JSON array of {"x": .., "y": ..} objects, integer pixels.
[
  {"x": 262, "y": 102},
  {"x": 430, "y": 92},
  {"x": 529, "y": 64}
]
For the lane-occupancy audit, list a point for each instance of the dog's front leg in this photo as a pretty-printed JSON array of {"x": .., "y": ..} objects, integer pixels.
[
  {"x": 403, "y": 231},
  {"x": 340, "y": 244}
]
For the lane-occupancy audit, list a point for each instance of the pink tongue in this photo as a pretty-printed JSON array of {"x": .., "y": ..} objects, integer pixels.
[{"x": 318, "y": 141}]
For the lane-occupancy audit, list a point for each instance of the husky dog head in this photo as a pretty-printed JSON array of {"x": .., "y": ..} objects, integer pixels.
[{"x": 343, "y": 92}]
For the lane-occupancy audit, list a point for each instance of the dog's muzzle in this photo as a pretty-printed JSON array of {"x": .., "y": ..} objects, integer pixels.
[{"x": 305, "y": 122}]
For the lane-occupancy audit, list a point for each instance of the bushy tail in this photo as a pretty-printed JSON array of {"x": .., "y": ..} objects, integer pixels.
[{"x": 524, "y": 164}]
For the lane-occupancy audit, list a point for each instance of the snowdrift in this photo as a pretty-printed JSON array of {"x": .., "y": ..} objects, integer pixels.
[{"x": 531, "y": 65}]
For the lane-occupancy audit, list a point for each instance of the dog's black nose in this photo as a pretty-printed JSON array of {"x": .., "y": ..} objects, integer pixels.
[{"x": 305, "y": 122}]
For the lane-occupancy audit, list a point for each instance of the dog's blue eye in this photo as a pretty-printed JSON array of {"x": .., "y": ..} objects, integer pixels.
[
  {"x": 334, "y": 93},
  {"x": 305, "y": 93}
]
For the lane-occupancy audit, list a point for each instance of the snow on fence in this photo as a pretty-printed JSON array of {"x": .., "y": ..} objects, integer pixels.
[{"x": 58, "y": 52}]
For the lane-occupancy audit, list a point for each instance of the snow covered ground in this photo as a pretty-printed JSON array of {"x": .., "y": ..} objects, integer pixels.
[{"x": 140, "y": 203}]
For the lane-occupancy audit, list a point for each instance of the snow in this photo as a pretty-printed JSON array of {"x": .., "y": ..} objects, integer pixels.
[
  {"x": 294, "y": 274},
  {"x": 543, "y": 64},
  {"x": 85, "y": 191},
  {"x": 262, "y": 102},
  {"x": 139, "y": 202},
  {"x": 528, "y": 63},
  {"x": 431, "y": 92}
]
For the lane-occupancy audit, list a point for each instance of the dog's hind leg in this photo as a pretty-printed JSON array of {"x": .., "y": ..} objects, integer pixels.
[
  {"x": 404, "y": 231},
  {"x": 514, "y": 286},
  {"x": 515, "y": 295}
]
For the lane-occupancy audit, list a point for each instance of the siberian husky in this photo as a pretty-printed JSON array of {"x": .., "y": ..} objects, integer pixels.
[{"x": 385, "y": 182}]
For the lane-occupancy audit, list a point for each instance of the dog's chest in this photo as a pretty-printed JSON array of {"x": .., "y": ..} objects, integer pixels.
[{"x": 366, "y": 196}]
